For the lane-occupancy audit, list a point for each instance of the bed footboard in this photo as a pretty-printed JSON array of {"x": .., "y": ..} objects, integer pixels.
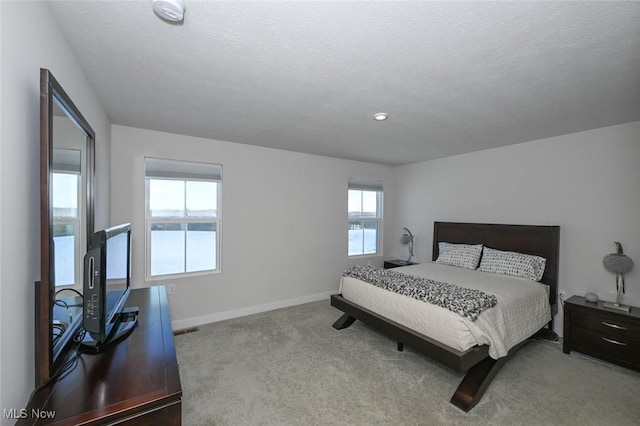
[
  {"x": 479, "y": 367},
  {"x": 452, "y": 358}
]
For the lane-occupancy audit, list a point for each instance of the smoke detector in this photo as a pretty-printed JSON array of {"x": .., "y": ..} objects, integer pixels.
[{"x": 169, "y": 10}]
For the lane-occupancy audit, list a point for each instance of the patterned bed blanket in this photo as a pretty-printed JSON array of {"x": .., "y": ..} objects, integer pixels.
[{"x": 464, "y": 301}]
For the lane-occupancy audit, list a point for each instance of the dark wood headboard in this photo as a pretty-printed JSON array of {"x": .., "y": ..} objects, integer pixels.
[{"x": 538, "y": 240}]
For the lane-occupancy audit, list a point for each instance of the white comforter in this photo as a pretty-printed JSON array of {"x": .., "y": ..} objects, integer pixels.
[{"x": 522, "y": 308}]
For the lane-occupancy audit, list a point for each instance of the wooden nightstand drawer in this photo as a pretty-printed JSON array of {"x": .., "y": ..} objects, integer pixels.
[
  {"x": 611, "y": 326},
  {"x": 595, "y": 330},
  {"x": 606, "y": 346}
]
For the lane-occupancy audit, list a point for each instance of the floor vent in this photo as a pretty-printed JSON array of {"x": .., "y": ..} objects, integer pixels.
[{"x": 185, "y": 331}]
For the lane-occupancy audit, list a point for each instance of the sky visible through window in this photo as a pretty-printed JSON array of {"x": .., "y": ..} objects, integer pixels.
[
  {"x": 65, "y": 190},
  {"x": 167, "y": 198},
  {"x": 362, "y": 203}
]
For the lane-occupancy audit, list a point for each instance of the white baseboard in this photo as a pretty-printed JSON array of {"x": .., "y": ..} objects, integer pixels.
[{"x": 242, "y": 312}]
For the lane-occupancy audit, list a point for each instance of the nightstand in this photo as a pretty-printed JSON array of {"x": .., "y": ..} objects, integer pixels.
[
  {"x": 603, "y": 333},
  {"x": 395, "y": 263}
]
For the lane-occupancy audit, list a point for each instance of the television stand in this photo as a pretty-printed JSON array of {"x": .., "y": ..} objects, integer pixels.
[
  {"x": 134, "y": 382},
  {"x": 121, "y": 327}
]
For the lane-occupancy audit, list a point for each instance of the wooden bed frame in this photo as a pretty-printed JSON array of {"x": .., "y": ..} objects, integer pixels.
[{"x": 480, "y": 369}]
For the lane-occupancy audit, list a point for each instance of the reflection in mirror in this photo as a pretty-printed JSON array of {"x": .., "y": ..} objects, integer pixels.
[
  {"x": 66, "y": 219},
  {"x": 68, "y": 184},
  {"x": 67, "y": 163},
  {"x": 68, "y": 236}
]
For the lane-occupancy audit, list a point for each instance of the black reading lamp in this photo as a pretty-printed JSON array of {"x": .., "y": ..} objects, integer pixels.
[
  {"x": 619, "y": 264},
  {"x": 407, "y": 238}
]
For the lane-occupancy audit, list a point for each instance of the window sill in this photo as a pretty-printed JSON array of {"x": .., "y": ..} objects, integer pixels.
[
  {"x": 365, "y": 256},
  {"x": 181, "y": 275}
]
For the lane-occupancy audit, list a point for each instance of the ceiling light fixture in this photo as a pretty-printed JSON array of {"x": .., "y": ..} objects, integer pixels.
[
  {"x": 380, "y": 116},
  {"x": 169, "y": 10}
]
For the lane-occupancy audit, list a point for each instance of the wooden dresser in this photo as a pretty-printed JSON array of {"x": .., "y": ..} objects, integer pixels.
[
  {"x": 603, "y": 333},
  {"x": 136, "y": 382}
]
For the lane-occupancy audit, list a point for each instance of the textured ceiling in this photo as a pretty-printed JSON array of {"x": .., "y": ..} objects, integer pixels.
[{"x": 307, "y": 76}]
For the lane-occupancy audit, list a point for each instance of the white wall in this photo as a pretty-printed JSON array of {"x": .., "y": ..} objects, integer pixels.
[
  {"x": 585, "y": 182},
  {"x": 284, "y": 222},
  {"x": 30, "y": 39}
]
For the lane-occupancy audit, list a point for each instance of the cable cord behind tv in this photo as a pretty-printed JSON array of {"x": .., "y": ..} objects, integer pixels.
[
  {"x": 64, "y": 328},
  {"x": 65, "y": 368}
]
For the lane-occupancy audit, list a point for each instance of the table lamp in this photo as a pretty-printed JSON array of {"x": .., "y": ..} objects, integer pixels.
[
  {"x": 619, "y": 264},
  {"x": 407, "y": 238}
]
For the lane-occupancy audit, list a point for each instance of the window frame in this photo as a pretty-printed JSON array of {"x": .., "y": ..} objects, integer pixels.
[
  {"x": 379, "y": 190},
  {"x": 186, "y": 220}
]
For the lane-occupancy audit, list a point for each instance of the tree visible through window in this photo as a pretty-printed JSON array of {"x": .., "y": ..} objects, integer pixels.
[
  {"x": 183, "y": 217},
  {"x": 365, "y": 217}
]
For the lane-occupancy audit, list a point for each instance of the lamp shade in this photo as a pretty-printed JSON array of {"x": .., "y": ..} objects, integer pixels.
[
  {"x": 407, "y": 238},
  {"x": 617, "y": 263}
]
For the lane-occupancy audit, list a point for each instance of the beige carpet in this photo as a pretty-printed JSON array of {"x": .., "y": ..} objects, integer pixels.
[{"x": 290, "y": 367}]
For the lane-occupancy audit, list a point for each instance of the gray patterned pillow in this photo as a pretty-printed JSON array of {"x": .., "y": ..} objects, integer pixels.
[
  {"x": 512, "y": 263},
  {"x": 462, "y": 255}
]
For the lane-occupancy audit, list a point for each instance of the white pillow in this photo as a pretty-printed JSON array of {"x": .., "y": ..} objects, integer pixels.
[
  {"x": 462, "y": 255},
  {"x": 512, "y": 263}
]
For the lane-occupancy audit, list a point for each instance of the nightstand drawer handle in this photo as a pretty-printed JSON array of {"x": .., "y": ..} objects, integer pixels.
[
  {"x": 608, "y": 324},
  {"x": 615, "y": 342}
]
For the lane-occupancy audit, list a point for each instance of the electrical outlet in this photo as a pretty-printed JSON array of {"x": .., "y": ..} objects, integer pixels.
[
  {"x": 172, "y": 289},
  {"x": 562, "y": 295}
]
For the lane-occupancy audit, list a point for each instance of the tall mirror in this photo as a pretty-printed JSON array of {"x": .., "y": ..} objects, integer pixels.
[{"x": 66, "y": 221}]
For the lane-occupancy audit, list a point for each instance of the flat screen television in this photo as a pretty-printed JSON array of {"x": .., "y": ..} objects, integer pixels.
[{"x": 107, "y": 278}]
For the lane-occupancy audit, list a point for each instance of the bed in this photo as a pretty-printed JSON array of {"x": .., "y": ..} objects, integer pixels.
[{"x": 479, "y": 352}]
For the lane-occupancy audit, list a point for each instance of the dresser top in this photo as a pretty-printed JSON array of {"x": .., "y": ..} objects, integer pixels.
[{"x": 581, "y": 301}]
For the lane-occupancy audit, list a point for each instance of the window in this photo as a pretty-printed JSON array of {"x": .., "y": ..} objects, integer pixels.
[
  {"x": 65, "y": 200},
  {"x": 182, "y": 217},
  {"x": 365, "y": 218}
]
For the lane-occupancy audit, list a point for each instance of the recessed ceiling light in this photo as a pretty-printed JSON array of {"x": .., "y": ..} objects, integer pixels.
[
  {"x": 169, "y": 10},
  {"x": 380, "y": 116}
]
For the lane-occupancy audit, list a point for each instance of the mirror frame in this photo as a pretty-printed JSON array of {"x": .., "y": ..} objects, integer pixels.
[{"x": 51, "y": 90}]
